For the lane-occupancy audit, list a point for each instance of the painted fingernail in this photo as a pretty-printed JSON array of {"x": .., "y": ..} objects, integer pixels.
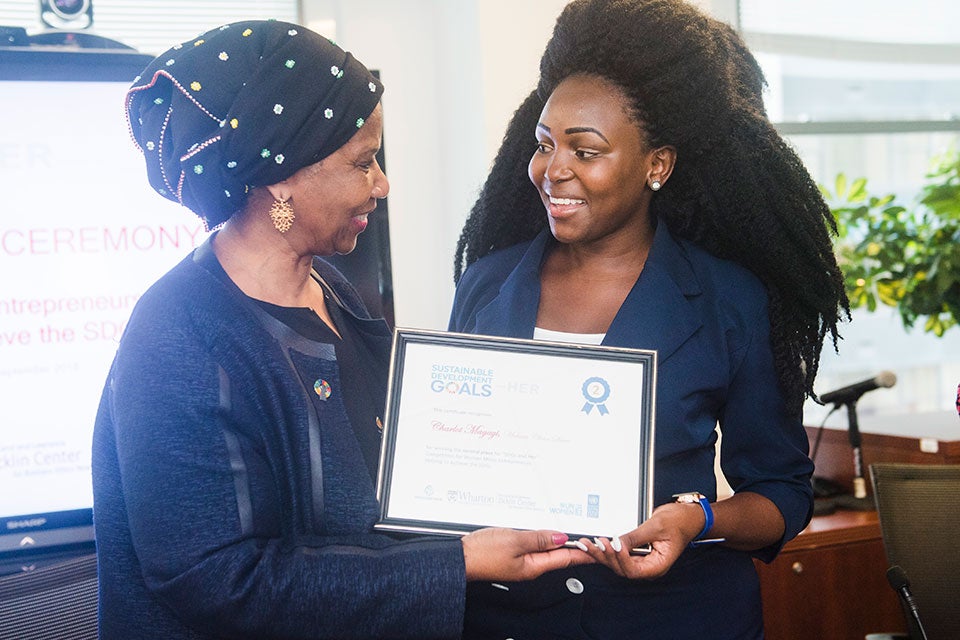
[
  {"x": 580, "y": 545},
  {"x": 599, "y": 543},
  {"x": 559, "y": 538},
  {"x": 615, "y": 543}
]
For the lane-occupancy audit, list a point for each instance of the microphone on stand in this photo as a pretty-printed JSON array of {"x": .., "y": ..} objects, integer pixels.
[
  {"x": 852, "y": 393},
  {"x": 848, "y": 396},
  {"x": 897, "y": 578}
]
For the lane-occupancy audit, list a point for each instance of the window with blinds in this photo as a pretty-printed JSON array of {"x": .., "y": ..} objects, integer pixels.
[
  {"x": 152, "y": 26},
  {"x": 870, "y": 88}
]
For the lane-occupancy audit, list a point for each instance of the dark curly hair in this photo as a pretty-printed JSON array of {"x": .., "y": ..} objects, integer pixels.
[{"x": 738, "y": 189}]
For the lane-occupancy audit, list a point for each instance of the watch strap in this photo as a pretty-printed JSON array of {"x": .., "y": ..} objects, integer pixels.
[{"x": 695, "y": 497}]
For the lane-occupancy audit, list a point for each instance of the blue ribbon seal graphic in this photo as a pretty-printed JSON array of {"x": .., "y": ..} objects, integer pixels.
[{"x": 595, "y": 391}]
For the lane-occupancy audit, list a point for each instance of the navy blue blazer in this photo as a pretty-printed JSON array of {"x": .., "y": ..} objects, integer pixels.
[
  {"x": 230, "y": 499},
  {"x": 707, "y": 319}
]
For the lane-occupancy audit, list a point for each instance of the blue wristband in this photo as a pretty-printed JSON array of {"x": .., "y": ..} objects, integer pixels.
[
  {"x": 707, "y": 517},
  {"x": 699, "y": 498}
]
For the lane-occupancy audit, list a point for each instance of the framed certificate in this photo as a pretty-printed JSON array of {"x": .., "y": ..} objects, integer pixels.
[{"x": 483, "y": 431}]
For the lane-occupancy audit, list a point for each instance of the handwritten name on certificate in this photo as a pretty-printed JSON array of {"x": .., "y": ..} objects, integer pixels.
[{"x": 525, "y": 434}]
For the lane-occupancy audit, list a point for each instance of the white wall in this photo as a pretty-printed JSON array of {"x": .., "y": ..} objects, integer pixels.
[{"x": 454, "y": 71}]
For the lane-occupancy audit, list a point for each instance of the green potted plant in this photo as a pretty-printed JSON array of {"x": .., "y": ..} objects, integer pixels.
[{"x": 907, "y": 257}]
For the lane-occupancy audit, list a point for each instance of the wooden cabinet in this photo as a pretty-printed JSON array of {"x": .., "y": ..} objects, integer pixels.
[{"x": 829, "y": 583}]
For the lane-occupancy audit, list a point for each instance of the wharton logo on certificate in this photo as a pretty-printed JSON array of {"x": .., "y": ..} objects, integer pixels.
[{"x": 483, "y": 431}]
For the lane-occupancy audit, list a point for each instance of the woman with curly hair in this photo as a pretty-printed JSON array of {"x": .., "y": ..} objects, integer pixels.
[{"x": 642, "y": 198}]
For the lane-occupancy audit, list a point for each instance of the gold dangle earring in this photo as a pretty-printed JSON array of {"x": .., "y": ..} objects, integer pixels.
[{"x": 281, "y": 212}]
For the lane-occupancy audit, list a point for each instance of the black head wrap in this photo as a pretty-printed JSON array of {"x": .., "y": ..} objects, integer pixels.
[{"x": 244, "y": 105}]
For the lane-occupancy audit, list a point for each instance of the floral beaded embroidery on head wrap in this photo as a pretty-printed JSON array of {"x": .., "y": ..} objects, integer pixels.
[{"x": 244, "y": 105}]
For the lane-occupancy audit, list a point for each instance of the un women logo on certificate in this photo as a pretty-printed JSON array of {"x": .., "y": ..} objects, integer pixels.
[{"x": 593, "y": 505}]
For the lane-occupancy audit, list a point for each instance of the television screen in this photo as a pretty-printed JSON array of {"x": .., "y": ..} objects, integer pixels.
[{"x": 82, "y": 235}]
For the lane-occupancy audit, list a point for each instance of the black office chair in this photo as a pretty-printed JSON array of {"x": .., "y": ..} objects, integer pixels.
[
  {"x": 55, "y": 602},
  {"x": 920, "y": 524}
]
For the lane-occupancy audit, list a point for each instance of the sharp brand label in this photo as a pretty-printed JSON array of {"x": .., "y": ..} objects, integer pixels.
[{"x": 26, "y": 524}]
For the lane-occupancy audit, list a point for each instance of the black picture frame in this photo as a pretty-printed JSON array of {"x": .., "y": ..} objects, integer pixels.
[{"x": 458, "y": 343}]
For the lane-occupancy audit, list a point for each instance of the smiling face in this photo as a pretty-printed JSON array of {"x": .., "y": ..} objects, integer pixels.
[
  {"x": 332, "y": 198},
  {"x": 592, "y": 164}
]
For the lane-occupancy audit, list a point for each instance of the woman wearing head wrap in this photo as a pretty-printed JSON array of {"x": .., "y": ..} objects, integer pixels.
[
  {"x": 237, "y": 440},
  {"x": 641, "y": 198}
]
